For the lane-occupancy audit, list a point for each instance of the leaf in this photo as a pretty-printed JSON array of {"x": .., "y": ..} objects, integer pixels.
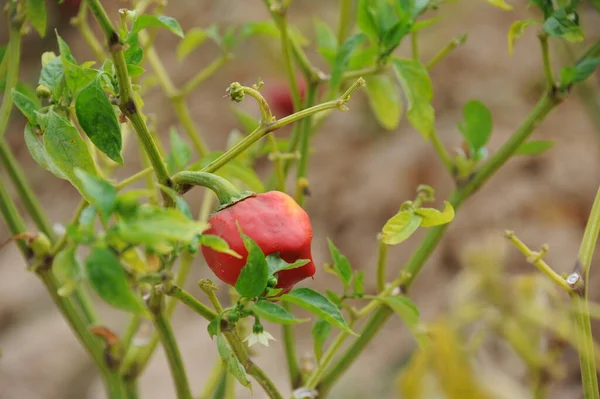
[
  {"x": 367, "y": 19},
  {"x": 394, "y": 35},
  {"x": 579, "y": 72},
  {"x": 98, "y": 192},
  {"x": 500, "y": 4},
  {"x": 108, "y": 278},
  {"x": 415, "y": 81},
  {"x": 327, "y": 44},
  {"x": 218, "y": 244},
  {"x": 320, "y": 331},
  {"x": 77, "y": 77},
  {"x": 334, "y": 298},
  {"x": 318, "y": 305},
  {"x": 534, "y": 147},
  {"x": 359, "y": 278},
  {"x": 385, "y": 101},
  {"x": 516, "y": 31},
  {"x": 51, "y": 76},
  {"x": 476, "y": 126},
  {"x": 233, "y": 364},
  {"x": 409, "y": 314},
  {"x": 36, "y": 14},
  {"x": 341, "y": 60},
  {"x": 193, "y": 38},
  {"x": 275, "y": 264},
  {"x": 148, "y": 21},
  {"x": 248, "y": 122},
  {"x": 340, "y": 264},
  {"x": 433, "y": 217},
  {"x": 214, "y": 326},
  {"x": 274, "y": 313},
  {"x": 39, "y": 154},
  {"x": 134, "y": 53},
  {"x": 26, "y": 105},
  {"x": 253, "y": 277},
  {"x": 564, "y": 24},
  {"x": 65, "y": 50},
  {"x": 134, "y": 70},
  {"x": 98, "y": 120},
  {"x": 180, "y": 152},
  {"x": 400, "y": 227},
  {"x": 66, "y": 149},
  {"x": 68, "y": 269}
]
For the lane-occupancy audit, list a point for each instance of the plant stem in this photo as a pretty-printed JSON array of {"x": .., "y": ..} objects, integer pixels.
[
  {"x": 167, "y": 338},
  {"x": 194, "y": 304},
  {"x": 441, "y": 151},
  {"x": 214, "y": 378},
  {"x": 368, "y": 71},
  {"x": 457, "y": 41},
  {"x": 414, "y": 41},
  {"x": 133, "y": 178},
  {"x": 13, "y": 220},
  {"x": 131, "y": 386},
  {"x": 223, "y": 189},
  {"x": 277, "y": 163},
  {"x": 204, "y": 74},
  {"x": 13, "y": 57},
  {"x": 30, "y": 200},
  {"x": 548, "y": 72},
  {"x": 291, "y": 356},
  {"x": 281, "y": 20},
  {"x": 590, "y": 237},
  {"x": 345, "y": 20},
  {"x": 305, "y": 144},
  {"x": 382, "y": 251}
]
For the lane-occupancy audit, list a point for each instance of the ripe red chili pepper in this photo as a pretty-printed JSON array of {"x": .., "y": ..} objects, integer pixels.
[{"x": 276, "y": 223}]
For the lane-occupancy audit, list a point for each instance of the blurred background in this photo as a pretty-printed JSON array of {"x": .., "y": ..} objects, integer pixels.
[{"x": 360, "y": 173}]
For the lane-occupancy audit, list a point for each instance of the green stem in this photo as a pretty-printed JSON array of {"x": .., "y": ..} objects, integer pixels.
[
  {"x": 278, "y": 164},
  {"x": 167, "y": 338},
  {"x": 214, "y": 379},
  {"x": 291, "y": 356},
  {"x": 382, "y": 252},
  {"x": 131, "y": 387},
  {"x": 194, "y": 304},
  {"x": 414, "y": 40},
  {"x": 84, "y": 302},
  {"x": 223, "y": 189},
  {"x": 13, "y": 220},
  {"x": 305, "y": 135},
  {"x": 590, "y": 238},
  {"x": 13, "y": 57},
  {"x": 286, "y": 50},
  {"x": 345, "y": 20},
  {"x": 457, "y": 41},
  {"x": 29, "y": 198},
  {"x": 548, "y": 72},
  {"x": 585, "y": 347},
  {"x": 441, "y": 151},
  {"x": 204, "y": 74}
]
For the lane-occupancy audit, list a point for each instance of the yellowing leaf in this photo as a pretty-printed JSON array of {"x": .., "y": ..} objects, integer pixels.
[
  {"x": 433, "y": 217},
  {"x": 400, "y": 227},
  {"x": 385, "y": 101},
  {"x": 500, "y": 4},
  {"x": 516, "y": 31}
]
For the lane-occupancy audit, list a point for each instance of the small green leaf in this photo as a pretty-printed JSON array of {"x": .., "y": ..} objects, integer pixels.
[
  {"x": 359, "y": 286},
  {"x": 565, "y": 24},
  {"x": 98, "y": 120},
  {"x": 253, "y": 277},
  {"x": 579, "y": 72},
  {"x": 476, "y": 126},
  {"x": 193, "y": 38},
  {"x": 327, "y": 44},
  {"x": 99, "y": 192},
  {"x": 248, "y": 122},
  {"x": 516, "y": 31},
  {"x": 334, "y": 298},
  {"x": 68, "y": 270},
  {"x": 51, "y": 76},
  {"x": 134, "y": 53},
  {"x": 367, "y": 19},
  {"x": 148, "y": 21},
  {"x": 500, "y": 4},
  {"x": 26, "y": 105},
  {"x": 320, "y": 331},
  {"x": 77, "y": 77},
  {"x": 318, "y": 305},
  {"x": 400, "y": 227},
  {"x": 342, "y": 58},
  {"x": 36, "y": 14},
  {"x": 66, "y": 148},
  {"x": 213, "y": 326},
  {"x": 385, "y": 101},
  {"x": 275, "y": 264},
  {"x": 180, "y": 152},
  {"x": 134, "y": 70},
  {"x": 394, "y": 35},
  {"x": 409, "y": 314},
  {"x": 433, "y": 217},
  {"x": 108, "y": 278},
  {"x": 341, "y": 264},
  {"x": 233, "y": 364},
  {"x": 534, "y": 147},
  {"x": 65, "y": 50},
  {"x": 418, "y": 89},
  {"x": 39, "y": 154},
  {"x": 274, "y": 313},
  {"x": 218, "y": 244}
]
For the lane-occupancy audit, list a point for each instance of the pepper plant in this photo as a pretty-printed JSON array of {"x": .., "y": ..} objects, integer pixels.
[{"x": 133, "y": 248}]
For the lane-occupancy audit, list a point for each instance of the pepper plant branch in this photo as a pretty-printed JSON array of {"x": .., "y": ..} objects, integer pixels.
[
  {"x": 12, "y": 57},
  {"x": 281, "y": 20},
  {"x": 548, "y": 72},
  {"x": 382, "y": 252},
  {"x": 457, "y": 41},
  {"x": 189, "y": 300},
  {"x": 204, "y": 74},
  {"x": 441, "y": 152},
  {"x": 344, "y": 21},
  {"x": 13, "y": 220},
  {"x": 291, "y": 355}
]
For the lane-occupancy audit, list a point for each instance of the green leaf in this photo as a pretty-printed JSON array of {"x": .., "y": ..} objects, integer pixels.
[
  {"x": 327, "y": 44},
  {"x": 134, "y": 53},
  {"x": 155, "y": 227},
  {"x": 26, "y": 105},
  {"x": 359, "y": 286},
  {"x": 77, "y": 77},
  {"x": 248, "y": 122},
  {"x": 409, "y": 314},
  {"x": 65, "y": 50},
  {"x": 274, "y": 313},
  {"x": 214, "y": 326},
  {"x": 66, "y": 149},
  {"x": 320, "y": 331},
  {"x": 68, "y": 270},
  {"x": 334, "y": 298},
  {"x": 36, "y": 14},
  {"x": 148, "y": 21},
  {"x": 565, "y": 24},
  {"x": 367, "y": 18},
  {"x": 218, "y": 244},
  {"x": 579, "y": 72},
  {"x": 385, "y": 101},
  {"x": 342, "y": 58},
  {"x": 180, "y": 152},
  {"x": 39, "y": 154},
  {"x": 134, "y": 70},
  {"x": 99, "y": 192},
  {"x": 546, "y": 6},
  {"x": 476, "y": 126},
  {"x": 108, "y": 278},
  {"x": 318, "y": 305},
  {"x": 516, "y": 31},
  {"x": 341, "y": 264},
  {"x": 534, "y": 147},
  {"x": 51, "y": 76},
  {"x": 253, "y": 277},
  {"x": 233, "y": 364},
  {"x": 433, "y": 217},
  {"x": 269, "y": 29},
  {"x": 500, "y": 4},
  {"x": 98, "y": 120},
  {"x": 275, "y": 264},
  {"x": 394, "y": 35},
  {"x": 193, "y": 38},
  {"x": 400, "y": 227},
  {"x": 415, "y": 81}
]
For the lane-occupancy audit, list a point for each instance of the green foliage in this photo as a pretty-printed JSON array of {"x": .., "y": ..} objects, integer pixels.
[
  {"x": 36, "y": 14},
  {"x": 39, "y": 154},
  {"x": 516, "y": 31},
  {"x": 26, "y": 105},
  {"x": 218, "y": 244},
  {"x": 274, "y": 313},
  {"x": 534, "y": 147},
  {"x": 147, "y": 21},
  {"x": 233, "y": 364},
  {"x": 275, "y": 264},
  {"x": 578, "y": 73},
  {"x": 68, "y": 268},
  {"x": 98, "y": 192},
  {"x": 476, "y": 126},
  {"x": 193, "y": 39},
  {"x": 180, "y": 153},
  {"x": 341, "y": 60},
  {"x": 400, "y": 227},
  {"x": 327, "y": 44},
  {"x": 252, "y": 280},
  {"x": 320, "y": 332},
  {"x": 385, "y": 101},
  {"x": 341, "y": 265},
  {"x": 564, "y": 23}
]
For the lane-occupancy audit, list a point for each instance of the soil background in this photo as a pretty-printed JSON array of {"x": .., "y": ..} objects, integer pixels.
[{"x": 359, "y": 176}]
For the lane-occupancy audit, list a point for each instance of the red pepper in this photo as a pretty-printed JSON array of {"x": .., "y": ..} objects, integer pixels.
[{"x": 276, "y": 223}]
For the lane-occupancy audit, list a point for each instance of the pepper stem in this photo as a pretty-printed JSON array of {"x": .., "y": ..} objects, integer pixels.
[{"x": 225, "y": 191}]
